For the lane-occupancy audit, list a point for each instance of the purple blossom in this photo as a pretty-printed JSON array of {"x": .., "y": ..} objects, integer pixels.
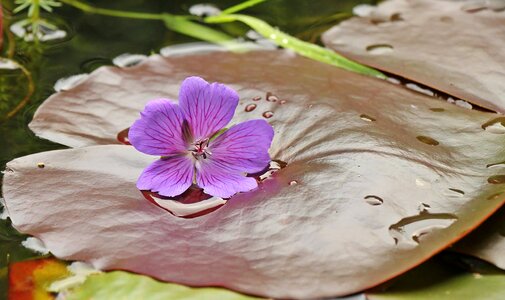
[{"x": 183, "y": 135}]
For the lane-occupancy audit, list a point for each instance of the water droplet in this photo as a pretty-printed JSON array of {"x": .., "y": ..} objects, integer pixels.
[
  {"x": 46, "y": 32},
  {"x": 421, "y": 183},
  {"x": 373, "y": 200},
  {"x": 282, "y": 102},
  {"x": 250, "y": 107},
  {"x": 128, "y": 60},
  {"x": 363, "y": 10},
  {"x": 437, "y": 109},
  {"x": 394, "y": 80},
  {"x": 496, "y": 125},
  {"x": 496, "y": 165},
  {"x": 271, "y": 97},
  {"x": 274, "y": 166},
  {"x": 427, "y": 140},
  {"x": 122, "y": 136},
  {"x": 253, "y": 35},
  {"x": 268, "y": 114},
  {"x": 396, "y": 17},
  {"x": 64, "y": 84},
  {"x": 257, "y": 98},
  {"x": 496, "y": 179},
  {"x": 463, "y": 103},
  {"x": 379, "y": 49},
  {"x": 457, "y": 191},
  {"x": 473, "y": 6},
  {"x": 413, "y": 227},
  {"x": 423, "y": 207},
  {"x": 494, "y": 196},
  {"x": 8, "y": 64},
  {"x": 190, "y": 204},
  {"x": 204, "y": 10},
  {"x": 193, "y": 48},
  {"x": 41, "y": 165},
  {"x": 277, "y": 164},
  {"x": 419, "y": 89},
  {"x": 367, "y": 118},
  {"x": 293, "y": 182}
]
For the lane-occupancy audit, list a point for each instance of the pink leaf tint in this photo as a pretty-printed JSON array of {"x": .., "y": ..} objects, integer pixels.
[
  {"x": 244, "y": 147},
  {"x": 159, "y": 129},
  {"x": 207, "y": 107},
  {"x": 168, "y": 177}
]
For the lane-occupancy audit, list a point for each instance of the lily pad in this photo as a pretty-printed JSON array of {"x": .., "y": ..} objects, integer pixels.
[
  {"x": 377, "y": 179},
  {"x": 442, "y": 44},
  {"x": 127, "y": 286},
  {"x": 488, "y": 241}
]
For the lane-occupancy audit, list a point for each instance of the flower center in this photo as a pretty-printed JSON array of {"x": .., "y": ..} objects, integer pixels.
[{"x": 200, "y": 149}]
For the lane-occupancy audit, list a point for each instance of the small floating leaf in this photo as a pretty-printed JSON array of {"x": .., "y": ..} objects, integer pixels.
[{"x": 427, "y": 41}]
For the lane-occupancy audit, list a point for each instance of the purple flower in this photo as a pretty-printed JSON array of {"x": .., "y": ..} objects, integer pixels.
[{"x": 183, "y": 135}]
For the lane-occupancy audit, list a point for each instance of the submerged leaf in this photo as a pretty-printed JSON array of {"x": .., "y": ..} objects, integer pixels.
[
  {"x": 366, "y": 194},
  {"x": 127, "y": 286},
  {"x": 437, "y": 43}
]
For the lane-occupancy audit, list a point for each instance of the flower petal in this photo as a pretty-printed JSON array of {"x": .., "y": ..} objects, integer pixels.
[
  {"x": 169, "y": 176},
  {"x": 207, "y": 107},
  {"x": 159, "y": 131},
  {"x": 217, "y": 180},
  {"x": 244, "y": 147}
]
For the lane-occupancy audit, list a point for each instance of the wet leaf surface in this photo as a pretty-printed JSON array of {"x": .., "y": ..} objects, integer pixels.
[
  {"x": 439, "y": 280},
  {"x": 441, "y": 44},
  {"x": 128, "y": 286},
  {"x": 360, "y": 201}
]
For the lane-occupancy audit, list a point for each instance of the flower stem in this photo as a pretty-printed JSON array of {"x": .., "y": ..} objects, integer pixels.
[
  {"x": 241, "y": 6},
  {"x": 29, "y": 93}
]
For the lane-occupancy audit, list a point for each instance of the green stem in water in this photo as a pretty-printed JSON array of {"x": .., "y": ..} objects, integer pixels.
[
  {"x": 180, "y": 24},
  {"x": 241, "y": 6},
  {"x": 111, "y": 12},
  {"x": 35, "y": 18}
]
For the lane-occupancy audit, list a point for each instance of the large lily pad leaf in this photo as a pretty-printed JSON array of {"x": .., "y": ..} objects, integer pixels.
[
  {"x": 451, "y": 46},
  {"x": 378, "y": 179},
  {"x": 488, "y": 241},
  {"x": 127, "y": 286},
  {"x": 439, "y": 280}
]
